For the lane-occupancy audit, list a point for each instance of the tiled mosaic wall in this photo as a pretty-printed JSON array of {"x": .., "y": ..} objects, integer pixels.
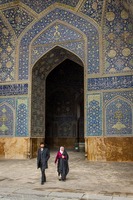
[
  {"x": 118, "y": 111},
  {"x": 7, "y": 53},
  {"x": 99, "y": 33},
  {"x": 72, "y": 20},
  {"x": 38, "y": 106},
  {"x": 118, "y": 31},
  {"x": 14, "y": 116}
]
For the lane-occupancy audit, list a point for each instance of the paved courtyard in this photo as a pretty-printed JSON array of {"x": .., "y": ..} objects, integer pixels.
[{"x": 20, "y": 179}]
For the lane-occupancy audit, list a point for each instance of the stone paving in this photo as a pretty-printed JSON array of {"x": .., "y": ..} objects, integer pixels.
[{"x": 20, "y": 180}]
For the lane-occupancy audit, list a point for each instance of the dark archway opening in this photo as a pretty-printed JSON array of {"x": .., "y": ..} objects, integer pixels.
[{"x": 64, "y": 108}]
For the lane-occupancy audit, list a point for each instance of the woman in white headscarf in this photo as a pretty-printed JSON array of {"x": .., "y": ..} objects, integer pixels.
[{"x": 62, "y": 166}]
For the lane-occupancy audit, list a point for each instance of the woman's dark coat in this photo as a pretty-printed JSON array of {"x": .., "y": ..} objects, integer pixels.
[
  {"x": 42, "y": 158},
  {"x": 63, "y": 167}
]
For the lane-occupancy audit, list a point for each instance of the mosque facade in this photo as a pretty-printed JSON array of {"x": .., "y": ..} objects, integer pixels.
[{"x": 66, "y": 77}]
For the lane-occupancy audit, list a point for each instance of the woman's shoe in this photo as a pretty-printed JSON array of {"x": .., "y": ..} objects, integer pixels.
[{"x": 59, "y": 177}]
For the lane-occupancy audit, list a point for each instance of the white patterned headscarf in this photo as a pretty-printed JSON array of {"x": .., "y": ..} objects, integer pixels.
[{"x": 61, "y": 149}]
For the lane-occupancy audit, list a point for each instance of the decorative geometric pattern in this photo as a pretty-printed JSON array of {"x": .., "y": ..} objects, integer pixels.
[
  {"x": 9, "y": 101},
  {"x": 93, "y": 8},
  {"x": 118, "y": 118},
  {"x": 108, "y": 96},
  {"x": 94, "y": 115},
  {"x": 65, "y": 129},
  {"x": 118, "y": 39},
  {"x": 40, "y": 5},
  {"x": 76, "y": 21},
  {"x": 118, "y": 59},
  {"x": 76, "y": 47},
  {"x": 52, "y": 59},
  {"x": 18, "y": 18},
  {"x": 38, "y": 106},
  {"x": 116, "y": 82},
  {"x": 7, "y": 53},
  {"x": 14, "y": 89},
  {"x": 6, "y": 120},
  {"x": 22, "y": 117},
  {"x": 5, "y": 1},
  {"x": 57, "y": 33}
]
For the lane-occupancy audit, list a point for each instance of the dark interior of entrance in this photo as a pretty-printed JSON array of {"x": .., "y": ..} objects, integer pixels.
[{"x": 64, "y": 119}]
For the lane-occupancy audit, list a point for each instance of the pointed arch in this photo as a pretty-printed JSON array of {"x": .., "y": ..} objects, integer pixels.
[
  {"x": 118, "y": 117},
  {"x": 40, "y": 71},
  {"x": 7, "y": 114},
  {"x": 85, "y": 25}
]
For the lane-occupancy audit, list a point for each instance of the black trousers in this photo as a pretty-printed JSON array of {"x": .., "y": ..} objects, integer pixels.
[{"x": 43, "y": 176}]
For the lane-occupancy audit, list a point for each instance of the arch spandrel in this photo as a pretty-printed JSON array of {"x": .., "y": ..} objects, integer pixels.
[
  {"x": 58, "y": 34},
  {"x": 89, "y": 28},
  {"x": 53, "y": 58}
]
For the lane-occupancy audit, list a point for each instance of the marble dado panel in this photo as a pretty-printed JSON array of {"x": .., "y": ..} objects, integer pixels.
[
  {"x": 106, "y": 83},
  {"x": 13, "y": 89},
  {"x": 94, "y": 115},
  {"x": 109, "y": 148},
  {"x": 14, "y": 148},
  {"x": 14, "y": 116}
]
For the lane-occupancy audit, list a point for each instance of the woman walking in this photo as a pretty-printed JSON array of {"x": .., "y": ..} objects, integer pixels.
[{"x": 62, "y": 165}]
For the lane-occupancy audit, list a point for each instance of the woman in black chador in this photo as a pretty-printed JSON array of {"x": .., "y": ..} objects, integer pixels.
[
  {"x": 62, "y": 166},
  {"x": 42, "y": 161}
]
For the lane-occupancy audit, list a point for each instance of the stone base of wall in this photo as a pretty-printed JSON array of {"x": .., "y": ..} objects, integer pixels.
[
  {"x": 14, "y": 148},
  {"x": 109, "y": 148}
]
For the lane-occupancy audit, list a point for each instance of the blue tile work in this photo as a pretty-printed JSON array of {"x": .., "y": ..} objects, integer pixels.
[
  {"x": 14, "y": 89},
  {"x": 9, "y": 101},
  {"x": 94, "y": 115},
  {"x": 93, "y": 8},
  {"x": 22, "y": 117},
  {"x": 77, "y": 48},
  {"x": 18, "y": 18},
  {"x": 6, "y": 120},
  {"x": 38, "y": 107},
  {"x": 74, "y": 47},
  {"x": 7, "y": 53},
  {"x": 108, "y": 96},
  {"x": 104, "y": 83},
  {"x": 57, "y": 32},
  {"x": 6, "y": 1},
  {"x": 118, "y": 118},
  {"x": 59, "y": 14},
  {"x": 50, "y": 38},
  {"x": 39, "y": 5},
  {"x": 118, "y": 31}
]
